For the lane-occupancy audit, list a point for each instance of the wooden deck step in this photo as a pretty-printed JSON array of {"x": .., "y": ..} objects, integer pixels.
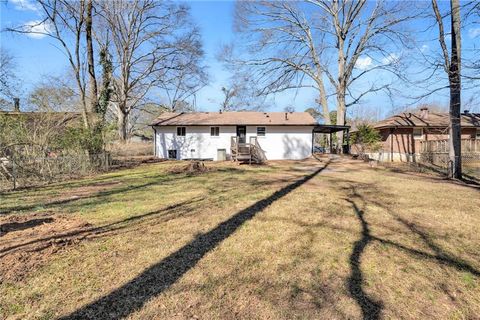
[{"x": 243, "y": 157}]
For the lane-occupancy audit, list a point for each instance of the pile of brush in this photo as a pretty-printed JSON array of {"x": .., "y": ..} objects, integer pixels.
[{"x": 193, "y": 167}]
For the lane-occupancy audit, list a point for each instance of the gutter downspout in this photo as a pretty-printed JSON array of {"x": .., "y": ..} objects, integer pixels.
[{"x": 391, "y": 144}]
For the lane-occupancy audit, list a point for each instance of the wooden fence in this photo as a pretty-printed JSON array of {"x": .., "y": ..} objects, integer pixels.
[{"x": 442, "y": 146}]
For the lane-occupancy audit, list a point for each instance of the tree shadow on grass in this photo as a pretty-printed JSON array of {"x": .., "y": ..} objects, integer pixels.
[
  {"x": 100, "y": 196},
  {"x": 370, "y": 308},
  {"x": 133, "y": 295},
  {"x": 440, "y": 255},
  {"x": 74, "y": 198},
  {"x": 425, "y": 172},
  {"x": 17, "y": 226},
  {"x": 167, "y": 213}
]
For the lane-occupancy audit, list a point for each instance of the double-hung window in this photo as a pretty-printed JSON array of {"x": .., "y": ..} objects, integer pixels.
[
  {"x": 417, "y": 133},
  {"x": 181, "y": 131},
  {"x": 214, "y": 131},
  {"x": 261, "y": 131}
]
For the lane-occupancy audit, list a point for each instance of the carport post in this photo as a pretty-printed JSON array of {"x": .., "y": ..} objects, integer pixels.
[
  {"x": 348, "y": 140},
  {"x": 331, "y": 149}
]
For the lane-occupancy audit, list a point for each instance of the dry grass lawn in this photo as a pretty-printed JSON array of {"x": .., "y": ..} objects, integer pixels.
[{"x": 289, "y": 240}]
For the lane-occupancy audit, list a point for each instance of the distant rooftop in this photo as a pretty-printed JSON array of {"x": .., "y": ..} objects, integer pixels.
[
  {"x": 65, "y": 115},
  {"x": 427, "y": 119}
]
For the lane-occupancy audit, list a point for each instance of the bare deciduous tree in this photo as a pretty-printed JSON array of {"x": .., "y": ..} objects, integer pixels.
[
  {"x": 452, "y": 66},
  {"x": 296, "y": 44},
  {"x": 228, "y": 95},
  {"x": 52, "y": 95},
  {"x": 182, "y": 84},
  {"x": 65, "y": 21},
  {"x": 241, "y": 93},
  {"x": 285, "y": 48},
  {"x": 152, "y": 46},
  {"x": 8, "y": 80},
  {"x": 372, "y": 30},
  {"x": 90, "y": 56}
]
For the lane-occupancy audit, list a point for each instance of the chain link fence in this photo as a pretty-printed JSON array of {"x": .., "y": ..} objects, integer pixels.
[
  {"x": 19, "y": 172},
  {"x": 436, "y": 154}
]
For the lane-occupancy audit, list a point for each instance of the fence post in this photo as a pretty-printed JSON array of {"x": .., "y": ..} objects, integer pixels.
[
  {"x": 105, "y": 157},
  {"x": 84, "y": 159},
  {"x": 14, "y": 174}
]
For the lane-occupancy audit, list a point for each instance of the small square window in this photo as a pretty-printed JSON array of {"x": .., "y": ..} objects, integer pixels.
[
  {"x": 417, "y": 133},
  {"x": 172, "y": 154},
  {"x": 181, "y": 131},
  {"x": 214, "y": 131},
  {"x": 261, "y": 131},
  {"x": 478, "y": 134}
]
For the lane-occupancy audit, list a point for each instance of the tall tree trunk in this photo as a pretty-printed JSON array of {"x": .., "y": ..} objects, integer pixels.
[
  {"x": 341, "y": 89},
  {"x": 86, "y": 123},
  {"x": 122, "y": 125},
  {"x": 341, "y": 111},
  {"x": 325, "y": 113},
  {"x": 323, "y": 103},
  {"x": 455, "y": 168},
  {"x": 90, "y": 58}
]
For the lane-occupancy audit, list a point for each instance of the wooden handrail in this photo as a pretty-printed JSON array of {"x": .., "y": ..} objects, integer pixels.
[{"x": 255, "y": 151}]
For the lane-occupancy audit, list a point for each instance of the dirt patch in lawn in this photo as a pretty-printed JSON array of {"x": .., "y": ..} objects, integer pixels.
[
  {"x": 192, "y": 168},
  {"x": 67, "y": 195},
  {"x": 27, "y": 242},
  {"x": 86, "y": 191}
]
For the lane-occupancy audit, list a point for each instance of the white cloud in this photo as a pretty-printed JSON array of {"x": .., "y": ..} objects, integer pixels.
[
  {"x": 391, "y": 58},
  {"x": 36, "y": 29},
  {"x": 363, "y": 63},
  {"x": 24, "y": 5},
  {"x": 473, "y": 32}
]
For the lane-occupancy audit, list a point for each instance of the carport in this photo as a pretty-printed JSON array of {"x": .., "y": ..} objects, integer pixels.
[{"x": 330, "y": 129}]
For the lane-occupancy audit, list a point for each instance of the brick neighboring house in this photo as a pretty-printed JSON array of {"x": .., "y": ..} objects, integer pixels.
[{"x": 402, "y": 133}]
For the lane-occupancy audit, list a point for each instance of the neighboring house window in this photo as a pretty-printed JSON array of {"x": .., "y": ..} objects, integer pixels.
[
  {"x": 214, "y": 131},
  {"x": 260, "y": 131},
  {"x": 417, "y": 133},
  {"x": 181, "y": 131},
  {"x": 172, "y": 154},
  {"x": 478, "y": 134}
]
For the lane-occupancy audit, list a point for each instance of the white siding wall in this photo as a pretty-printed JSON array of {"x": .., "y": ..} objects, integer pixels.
[
  {"x": 280, "y": 142},
  {"x": 284, "y": 142}
]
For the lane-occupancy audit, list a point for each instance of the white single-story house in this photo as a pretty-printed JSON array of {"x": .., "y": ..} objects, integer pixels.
[{"x": 232, "y": 135}]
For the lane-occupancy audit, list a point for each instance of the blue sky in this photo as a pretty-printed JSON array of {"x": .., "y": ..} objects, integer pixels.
[{"x": 37, "y": 57}]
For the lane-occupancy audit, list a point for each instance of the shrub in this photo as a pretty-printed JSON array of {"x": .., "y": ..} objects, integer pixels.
[{"x": 366, "y": 139}]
